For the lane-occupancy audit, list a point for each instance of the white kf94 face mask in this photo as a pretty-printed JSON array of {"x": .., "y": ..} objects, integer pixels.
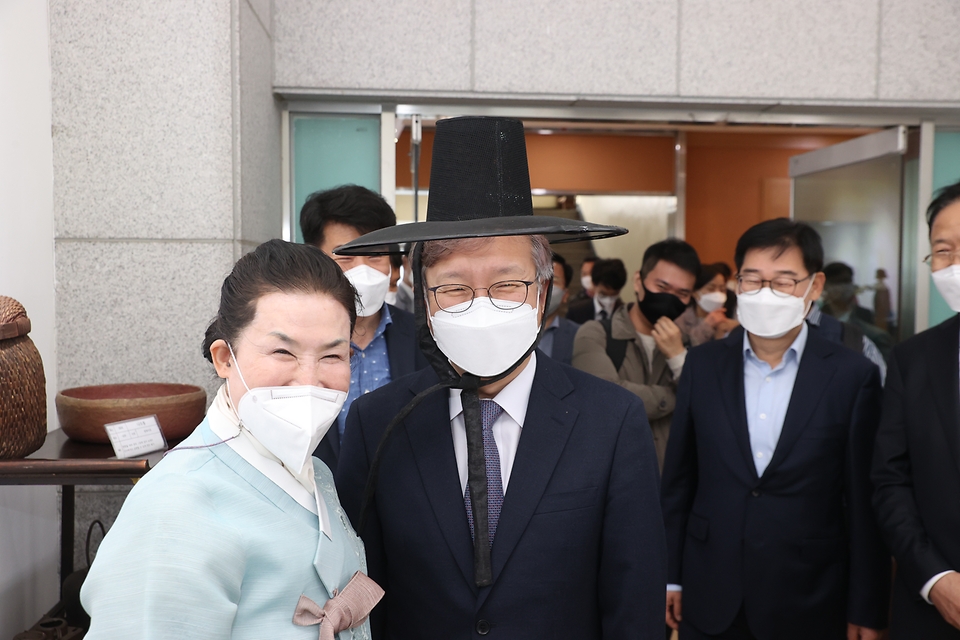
[
  {"x": 947, "y": 282},
  {"x": 767, "y": 315},
  {"x": 484, "y": 340},
  {"x": 289, "y": 421},
  {"x": 372, "y": 285},
  {"x": 712, "y": 301}
]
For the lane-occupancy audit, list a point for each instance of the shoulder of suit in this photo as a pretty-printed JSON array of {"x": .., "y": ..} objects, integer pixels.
[
  {"x": 932, "y": 338},
  {"x": 399, "y": 391},
  {"x": 400, "y": 315},
  {"x": 598, "y": 393}
]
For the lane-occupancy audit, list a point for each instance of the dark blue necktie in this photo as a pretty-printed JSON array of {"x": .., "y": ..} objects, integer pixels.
[{"x": 489, "y": 412}]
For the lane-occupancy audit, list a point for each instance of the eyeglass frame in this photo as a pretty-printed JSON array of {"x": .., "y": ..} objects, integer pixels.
[
  {"x": 526, "y": 294},
  {"x": 769, "y": 283},
  {"x": 953, "y": 257}
]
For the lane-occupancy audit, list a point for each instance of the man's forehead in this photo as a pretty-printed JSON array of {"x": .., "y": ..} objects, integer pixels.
[
  {"x": 672, "y": 274},
  {"x": 508, "y": 256},
  {"x": 789, "y": 259}
]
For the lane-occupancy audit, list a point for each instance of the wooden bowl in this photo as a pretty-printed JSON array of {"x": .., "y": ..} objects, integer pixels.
[{"x": 84, "y": 410}]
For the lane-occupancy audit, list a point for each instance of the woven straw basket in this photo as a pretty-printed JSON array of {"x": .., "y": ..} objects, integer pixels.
[{"x": 23, "y": 396}]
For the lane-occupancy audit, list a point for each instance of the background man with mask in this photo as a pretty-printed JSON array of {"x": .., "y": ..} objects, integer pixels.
[
  {"x": 918, "y": 450},
  {"x": 766, "y": 489},
  {"x": 383, "y": 344},
  {"x": 558, "y": 334},
  {"x": 839, "y": 301},
  {"x": 608, "y": 277},
  {"x": 550, "y": 472},
  {"x": 640, "y": 347},
  {"x": 586, "y": 282}
]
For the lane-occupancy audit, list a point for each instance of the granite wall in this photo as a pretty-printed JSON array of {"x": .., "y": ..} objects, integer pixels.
[
  {"x": 861, "y": 52},
  {"x": 166, "y": 157}
]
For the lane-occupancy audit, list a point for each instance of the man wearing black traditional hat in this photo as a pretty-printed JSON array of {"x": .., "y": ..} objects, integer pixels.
[{"x": 551, "y": 472}]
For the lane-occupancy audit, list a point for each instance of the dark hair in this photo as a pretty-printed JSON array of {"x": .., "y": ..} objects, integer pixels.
[
  {"x": 588, "y": 260},
  {"x": 781, "y": 234},
  {"x": 396, "y": 260},
  {"x": 609, "y": 272},
  {"x": 566, "y": 268},
  {"x": 276, "y": 265},
  {"x": 352, "y": 205},
  {"x": 838, "y": 273},
  {"x": 724, "y": 268},
  {"x": 673, "y": 251},
  {"x": 707, "y": 273},
  {"x": 945, "y": 197}
]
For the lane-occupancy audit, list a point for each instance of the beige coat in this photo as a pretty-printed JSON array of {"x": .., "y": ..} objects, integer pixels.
[{"x": 655, "y": 385}]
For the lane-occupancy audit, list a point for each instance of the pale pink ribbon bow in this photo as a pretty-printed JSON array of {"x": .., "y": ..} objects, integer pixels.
[{"x": 345, "y": 610}]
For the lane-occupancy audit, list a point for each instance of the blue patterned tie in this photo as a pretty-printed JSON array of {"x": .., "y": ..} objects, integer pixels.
[{"x": 489, "y": 412}]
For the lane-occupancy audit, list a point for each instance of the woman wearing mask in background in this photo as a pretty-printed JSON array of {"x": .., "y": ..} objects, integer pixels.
[
  {"x": 238, "y": 532},
  {"x": 707, "y": 320}
]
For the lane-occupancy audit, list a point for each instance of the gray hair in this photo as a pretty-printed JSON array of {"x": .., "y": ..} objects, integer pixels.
[{"x": 435, "y": 250}]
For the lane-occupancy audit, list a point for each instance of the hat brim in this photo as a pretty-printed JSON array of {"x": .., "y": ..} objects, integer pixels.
[{"x": 557, "y": 230}]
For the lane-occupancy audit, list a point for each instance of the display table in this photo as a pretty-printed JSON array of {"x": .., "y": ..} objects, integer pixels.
[{"x": 65, "y": 462}]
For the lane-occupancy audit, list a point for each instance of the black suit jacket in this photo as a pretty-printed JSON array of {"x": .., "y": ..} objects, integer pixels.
[
  {"x": 405, "y": 358},
  {"x": 916, "y": 473},
  {"x": 579, "y": 550},
  {"x": 798, "y": 547}
]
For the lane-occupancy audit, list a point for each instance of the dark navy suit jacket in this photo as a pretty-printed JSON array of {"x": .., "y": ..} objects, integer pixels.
[
  {"x": 917, "y": 474},
  {"x": 405, "y": 358},
  {"x": 799, "y": 547},
  {"x": 579, "y": 549}
]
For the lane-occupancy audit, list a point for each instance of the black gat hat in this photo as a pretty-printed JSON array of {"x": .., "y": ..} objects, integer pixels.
[{"x": 479, "y": 187}]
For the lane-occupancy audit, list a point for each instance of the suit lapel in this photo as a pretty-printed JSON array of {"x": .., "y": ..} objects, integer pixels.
[
  {"x": 546, "y": 428},
  {"x": 731, "y": 384},
  {"x": 428, "y": 429},
  {"x": 813, "y": 377},
  {"x": 944, "y": 380}
]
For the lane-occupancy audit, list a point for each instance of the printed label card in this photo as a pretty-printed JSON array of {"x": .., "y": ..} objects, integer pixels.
[{"x": 136, "y": 437}]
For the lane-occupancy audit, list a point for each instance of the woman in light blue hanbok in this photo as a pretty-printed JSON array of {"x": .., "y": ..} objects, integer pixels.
[{"x": 238, "y": 532}]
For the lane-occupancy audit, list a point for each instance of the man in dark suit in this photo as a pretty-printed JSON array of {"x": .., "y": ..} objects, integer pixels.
[
  {"x": 558, "y": 334},
  {"x": 766, "y": 489},
  {"x": 916, "y": 466},
  {"x": 609, "y": 277},
  {"x": 521, "y": 501},
  {"x": 384, "y": 343}
]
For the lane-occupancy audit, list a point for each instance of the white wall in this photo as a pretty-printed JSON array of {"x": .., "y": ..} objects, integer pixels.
[{"x": 29, "y": 526}]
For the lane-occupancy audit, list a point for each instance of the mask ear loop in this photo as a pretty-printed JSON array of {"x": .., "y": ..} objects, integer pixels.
[
  {"x": 808, "y": 304},
  {"x": 230, "y": 399}
]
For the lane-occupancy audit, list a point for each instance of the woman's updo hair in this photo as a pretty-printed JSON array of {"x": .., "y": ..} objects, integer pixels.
[{"x": 276, "y": 265}]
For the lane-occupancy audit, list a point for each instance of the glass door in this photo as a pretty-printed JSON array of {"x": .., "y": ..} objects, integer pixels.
[
  {"x": 329, "y": 151},
  {"x": 853, "y": 194}
]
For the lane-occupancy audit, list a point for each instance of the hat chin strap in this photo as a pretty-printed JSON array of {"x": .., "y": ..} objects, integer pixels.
[{"x": 470, "y": 399}]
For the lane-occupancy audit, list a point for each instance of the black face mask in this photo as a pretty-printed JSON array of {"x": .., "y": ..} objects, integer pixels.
[{"x": 657, "y": 305}]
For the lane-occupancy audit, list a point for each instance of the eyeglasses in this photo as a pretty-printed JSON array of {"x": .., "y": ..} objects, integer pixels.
[
  {"x": 506, "y": 295},
  {"x": 781, "y": 285},
  {"x": 942, "y": 258}
]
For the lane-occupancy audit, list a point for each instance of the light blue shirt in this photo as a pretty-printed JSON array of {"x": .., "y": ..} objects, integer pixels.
[
  {"x": 369, "y": 368},
  {"x": 767, "y": 394}
]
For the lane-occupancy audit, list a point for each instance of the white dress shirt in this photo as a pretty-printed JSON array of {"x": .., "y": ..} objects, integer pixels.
[{"x": 513, "y": 398}]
